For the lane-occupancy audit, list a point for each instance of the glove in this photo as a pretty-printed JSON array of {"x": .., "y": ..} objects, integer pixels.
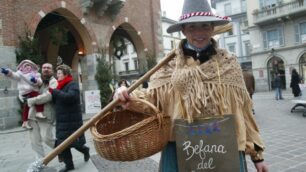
[
  {"x": 4, "y": 71},
  {"x": 33, "y": 79}
]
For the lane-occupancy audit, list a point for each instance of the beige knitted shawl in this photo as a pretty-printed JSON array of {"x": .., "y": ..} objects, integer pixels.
[
  {"x": 186, "y": 89},
  {"x": 207, "y": 89}
]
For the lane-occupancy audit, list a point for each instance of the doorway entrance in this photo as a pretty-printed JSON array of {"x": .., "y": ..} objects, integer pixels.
[
  {"x": 276, "y": 65},
  {"x": 302, "y": 66}
]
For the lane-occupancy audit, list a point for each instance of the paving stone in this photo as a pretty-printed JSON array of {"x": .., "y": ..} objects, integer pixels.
[
  {"x": 145, "y": 165},
  {"x": 283, "y": 133}
]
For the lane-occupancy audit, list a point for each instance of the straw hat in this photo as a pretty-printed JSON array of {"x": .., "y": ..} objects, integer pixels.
[{"x": 195, "y": 11}]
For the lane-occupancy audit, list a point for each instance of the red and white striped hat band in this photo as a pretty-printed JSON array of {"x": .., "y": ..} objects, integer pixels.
[{"x": 188, "y": 15}]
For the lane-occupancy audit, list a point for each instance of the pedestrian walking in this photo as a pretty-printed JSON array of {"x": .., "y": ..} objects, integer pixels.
[
  {"x": 43, "y": 129},
  {"x": 249, "y": 83},
  {"x": 66, "y": 98},
  {"x": 294, "y": 84},
  {"x": 204, "y": 81},
  {"x": 278, "y": 87}
]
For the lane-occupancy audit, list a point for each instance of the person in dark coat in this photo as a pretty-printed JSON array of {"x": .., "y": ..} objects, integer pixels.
[
  {"x": 66, "y": 98},
  {"x": 249, "y": 83},
  {"x": 278, "y": 87},
  {"x": 295, "y": 81}
]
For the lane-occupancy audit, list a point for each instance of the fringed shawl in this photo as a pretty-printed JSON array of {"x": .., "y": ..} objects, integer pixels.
[
  {"x": 204, "y": 89},
  {"x": 186, "y": 89}
]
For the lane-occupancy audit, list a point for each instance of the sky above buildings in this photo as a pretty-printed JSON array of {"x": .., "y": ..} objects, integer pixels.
[{"x": 173, "y": 8}]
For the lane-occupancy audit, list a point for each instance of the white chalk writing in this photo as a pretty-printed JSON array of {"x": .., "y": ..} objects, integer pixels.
[{"x": 202, "y": 150}]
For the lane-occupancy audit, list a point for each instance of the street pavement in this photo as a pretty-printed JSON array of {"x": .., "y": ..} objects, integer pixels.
[{"x": 283, "y": 133}]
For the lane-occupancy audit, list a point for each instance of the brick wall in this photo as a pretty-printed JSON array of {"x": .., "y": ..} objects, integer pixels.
[
  {"x": 143, "y": 15},
  {"x": 140, "y": 18}
]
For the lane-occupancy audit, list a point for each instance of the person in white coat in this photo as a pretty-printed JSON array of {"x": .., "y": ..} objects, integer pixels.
[
  {"x": 43, "y": 129},
  {"x": 28, "y": 82}
]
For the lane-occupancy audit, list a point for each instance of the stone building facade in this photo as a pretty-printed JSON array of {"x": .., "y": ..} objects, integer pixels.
[
  {"x": 278, "y": 36},
  {"x": 88, "y": 25}
]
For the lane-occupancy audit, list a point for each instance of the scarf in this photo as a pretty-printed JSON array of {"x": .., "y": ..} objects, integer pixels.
[
  {"x": 206, "y": 89},
  {"x": 204, "y": 55},
  {"x": 63, "y": 82},
  {"x": 198, "y": 50}
]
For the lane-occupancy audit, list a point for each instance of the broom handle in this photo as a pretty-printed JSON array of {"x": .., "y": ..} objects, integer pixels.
[{"x": 107, "y": 108}]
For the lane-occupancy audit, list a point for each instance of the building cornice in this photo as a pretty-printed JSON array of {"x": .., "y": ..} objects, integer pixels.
[
  {"x": 168, "y": 20},
  {"x": 279, "y": 49}
]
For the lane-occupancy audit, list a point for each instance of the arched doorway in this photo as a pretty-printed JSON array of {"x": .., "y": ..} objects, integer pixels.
[
  {"x": 128, "y": 63},
  {"x": 60, "y": 34},
  {"x": 276, "y": 65},
  {"x": 58, "y": 37},
  {"x": 302, "y": 66}
]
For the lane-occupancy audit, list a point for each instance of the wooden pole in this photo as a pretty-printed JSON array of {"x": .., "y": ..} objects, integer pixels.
[{"x": 107, "y": 108}]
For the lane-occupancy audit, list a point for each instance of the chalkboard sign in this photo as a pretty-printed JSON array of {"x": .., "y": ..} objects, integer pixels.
[{"x": 207, "y": 145}]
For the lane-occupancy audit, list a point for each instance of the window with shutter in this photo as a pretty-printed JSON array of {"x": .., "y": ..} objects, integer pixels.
[
  {"x": 273, "y": 38},
  {"x": 232, "y": 47},
  {"x": 227, "y": 9},
  {"x": 264, "y": 35},
  {"x": 281, "y": 37},
  {"x": 303, "y": 32},
  {"x": 297, "y": 33}
]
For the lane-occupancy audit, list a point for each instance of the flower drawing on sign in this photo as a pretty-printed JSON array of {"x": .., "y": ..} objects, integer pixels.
[
  {"x": 207, "y": 129},
  {"x": 216, "y": 127}
]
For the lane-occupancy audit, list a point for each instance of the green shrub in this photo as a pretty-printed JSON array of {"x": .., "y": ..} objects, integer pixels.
[{"x": 104, "y": 77}]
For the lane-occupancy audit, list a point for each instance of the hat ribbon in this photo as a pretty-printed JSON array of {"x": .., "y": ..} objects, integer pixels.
[{"x": 188, "y": 15}]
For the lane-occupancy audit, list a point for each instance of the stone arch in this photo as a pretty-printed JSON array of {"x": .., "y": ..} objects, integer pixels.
[
  {"x": 133, "y": 33},
  {"x": 73, "y": 13},
  {"x": 82, "y": 31},
  {"x": 134, "y": 36},
  {"x": 275, "y": 64},
  {"x": 301, "y": 61}
]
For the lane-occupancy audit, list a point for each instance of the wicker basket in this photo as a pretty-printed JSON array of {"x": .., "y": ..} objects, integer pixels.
[{"x": 127, "y": 135}]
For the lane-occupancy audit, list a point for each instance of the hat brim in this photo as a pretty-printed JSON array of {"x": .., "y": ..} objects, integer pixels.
[{"x": 197, "y": 19}]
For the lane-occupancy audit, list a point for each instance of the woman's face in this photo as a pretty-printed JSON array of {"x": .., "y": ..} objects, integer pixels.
[
  {"x": 123, "y": 84},
  {"x": 60, "y": 75},
  {"x": 198, "y": 34}
]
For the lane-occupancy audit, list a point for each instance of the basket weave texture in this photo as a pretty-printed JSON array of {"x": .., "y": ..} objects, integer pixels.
[{"x": 128, "y": 135}]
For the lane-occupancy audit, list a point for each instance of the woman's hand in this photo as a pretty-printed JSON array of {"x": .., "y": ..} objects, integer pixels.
[
  {"x": 122, "y": 94},
  {"x": 261, "y": 167}
]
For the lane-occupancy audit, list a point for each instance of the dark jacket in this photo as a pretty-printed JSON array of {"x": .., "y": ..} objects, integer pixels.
[
  {"x": 294, "y": 84},
  {"x": 68, "y": 112},
  {"x": 249, "y": 81},
  {"x": 277, "y": 82}
]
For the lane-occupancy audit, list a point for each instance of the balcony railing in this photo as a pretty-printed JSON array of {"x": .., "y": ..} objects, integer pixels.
[
  {"x": 277, "y": 11},
  {"x": 129, "y": 72},
  {"x": 244, "y": 59}
]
